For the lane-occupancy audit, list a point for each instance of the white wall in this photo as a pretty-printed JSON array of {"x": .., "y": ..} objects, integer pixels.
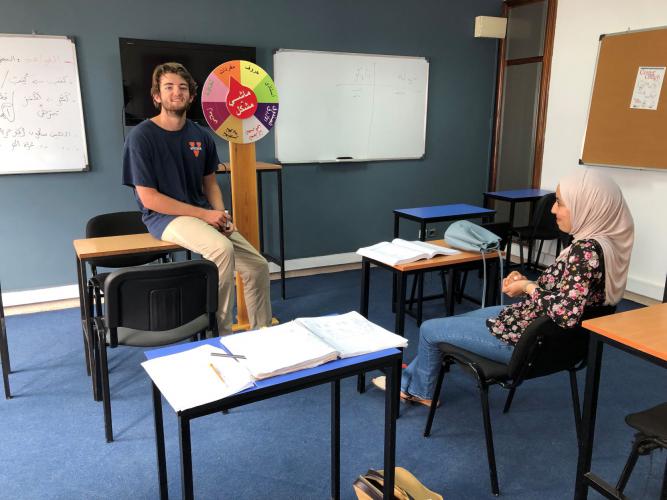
[{"x": 579, "y": 24}]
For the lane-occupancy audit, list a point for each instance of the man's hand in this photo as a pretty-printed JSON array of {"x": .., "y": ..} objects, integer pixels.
[{"x": 215, "y": 218}]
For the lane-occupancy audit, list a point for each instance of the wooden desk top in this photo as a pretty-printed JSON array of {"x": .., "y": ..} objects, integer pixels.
[
  {"x": 90, "y": 248},
  {"x": 443, "y": 260},
  {"x": 643, "y": 329},
  {"x": 226, "y": 166}
]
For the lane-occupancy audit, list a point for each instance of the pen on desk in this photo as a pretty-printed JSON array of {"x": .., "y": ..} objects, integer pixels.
[
  {"x": 225, "y": 355},
  {"x": 215, "y": 370}
]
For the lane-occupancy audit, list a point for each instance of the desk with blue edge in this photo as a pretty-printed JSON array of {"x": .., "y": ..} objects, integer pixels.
[
  {"x": 514, "y": 196},
  {"x": 388, "y": 360}
]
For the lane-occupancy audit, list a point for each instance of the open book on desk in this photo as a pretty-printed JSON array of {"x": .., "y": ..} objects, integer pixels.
[
  {"x": 308, "y": 342},
  {"x": 194, "y": 377},
  {"x": 401, "y": 251}
]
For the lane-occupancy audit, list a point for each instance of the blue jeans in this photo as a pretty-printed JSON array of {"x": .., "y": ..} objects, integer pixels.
[{"x": 467, "y": 331}]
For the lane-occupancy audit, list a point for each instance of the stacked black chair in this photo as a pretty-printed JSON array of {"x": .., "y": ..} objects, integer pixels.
[
  {"x": 4, "y": 350},
  {"x": 544, "y": 349},
  {"x": 651, "y": 427},
  {"x": 542, "y": 228},
  {"x": 153, "y": 306}
]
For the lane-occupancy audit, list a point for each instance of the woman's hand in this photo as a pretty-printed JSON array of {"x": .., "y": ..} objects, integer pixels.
[
  {"x": 519, "y": 286},
  {"x": 512, "y": 277}
]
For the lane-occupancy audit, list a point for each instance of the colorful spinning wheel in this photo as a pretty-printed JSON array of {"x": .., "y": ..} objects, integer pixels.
[{"x": 240, "y": 102}]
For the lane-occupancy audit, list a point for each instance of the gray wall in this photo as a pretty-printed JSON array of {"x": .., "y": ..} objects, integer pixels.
[{"x": 328, "y": 208}]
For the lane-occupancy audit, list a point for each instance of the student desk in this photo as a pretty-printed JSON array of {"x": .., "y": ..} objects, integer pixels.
[
  {"x": 402, "y": 271},
  {"x": 514, "y": 196},
  {"x": 642, "y": 333},
  {"x": 225, "y": 168},
  {"x": 388, "y": 360},
  {"x": 91, "y": 248},
  {"x": 440, "y": 213}
]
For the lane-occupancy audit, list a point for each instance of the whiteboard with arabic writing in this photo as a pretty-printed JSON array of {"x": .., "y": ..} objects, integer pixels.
[
  {"x": 339, "y": 107},
  {"x": 41, "y": 115}
]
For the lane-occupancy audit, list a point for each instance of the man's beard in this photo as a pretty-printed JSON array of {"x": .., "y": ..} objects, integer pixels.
[{"x": 176, "y": 112}]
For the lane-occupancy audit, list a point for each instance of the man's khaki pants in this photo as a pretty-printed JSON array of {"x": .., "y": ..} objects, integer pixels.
[{"x": 227, "y": 253}]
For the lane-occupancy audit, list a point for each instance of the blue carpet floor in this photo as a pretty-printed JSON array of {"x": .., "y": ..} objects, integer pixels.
[{"x": 52, "y": 436}]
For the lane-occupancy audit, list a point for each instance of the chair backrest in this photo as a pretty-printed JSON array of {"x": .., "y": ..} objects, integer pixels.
[
  {"x": 546, "y": 348},
  {"x": 160, "y": 297},
  {"x": 543, "y": 221},
  {"x": 118, "y": 224}
]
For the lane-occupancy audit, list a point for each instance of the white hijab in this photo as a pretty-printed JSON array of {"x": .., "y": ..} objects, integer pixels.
[{"x": 599, "y": 212}]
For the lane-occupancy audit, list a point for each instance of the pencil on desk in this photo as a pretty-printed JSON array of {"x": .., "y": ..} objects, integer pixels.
[
  {"x": 217, "y": 373},
  {"x": 225, "y": 355}
]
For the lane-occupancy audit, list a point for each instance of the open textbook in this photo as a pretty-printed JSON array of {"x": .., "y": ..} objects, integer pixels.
[
  {"x": 401, "y": 251},
  {"x": 308, "y": 342}
]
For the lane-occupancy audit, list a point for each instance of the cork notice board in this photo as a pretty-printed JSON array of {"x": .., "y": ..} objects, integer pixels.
[{"x": 627, "y": 119}]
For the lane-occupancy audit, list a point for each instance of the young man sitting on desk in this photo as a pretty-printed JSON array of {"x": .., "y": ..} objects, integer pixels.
[{"x": 170, "y": 162}]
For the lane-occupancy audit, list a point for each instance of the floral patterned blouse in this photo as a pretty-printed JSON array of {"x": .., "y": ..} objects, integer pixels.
[{"x": 564, "y": 289}]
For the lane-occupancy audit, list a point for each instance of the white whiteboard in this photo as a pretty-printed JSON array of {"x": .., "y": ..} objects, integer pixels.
[
  {"x": 349, "y": 107},
  {"x": 41, "y": 116}
]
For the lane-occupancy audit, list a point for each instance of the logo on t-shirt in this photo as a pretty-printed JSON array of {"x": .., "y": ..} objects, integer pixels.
[{"x": 195, "y": 147}]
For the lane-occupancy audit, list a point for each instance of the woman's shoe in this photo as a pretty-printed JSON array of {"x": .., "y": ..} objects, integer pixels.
[{"x": 381, "y": 383}]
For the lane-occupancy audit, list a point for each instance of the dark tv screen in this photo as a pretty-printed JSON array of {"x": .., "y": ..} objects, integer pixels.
[{"x": 139, "y": 57}]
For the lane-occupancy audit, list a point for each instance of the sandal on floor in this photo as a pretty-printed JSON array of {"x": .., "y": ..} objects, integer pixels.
[
  {"x": 381, "y": 383},
  {"x": 409, "y": 398}
]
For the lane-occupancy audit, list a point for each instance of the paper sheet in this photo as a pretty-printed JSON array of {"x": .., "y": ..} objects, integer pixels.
[{"x": 186, "y": 379}]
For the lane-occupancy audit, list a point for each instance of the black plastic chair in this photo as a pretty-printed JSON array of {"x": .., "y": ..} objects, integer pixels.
[
  {"x": 651, "y": 426},
  {"x": 116, "y": 224},
  {"x": 152, "y": 306},
  {"x": 4, "y": 350},
  {"x": 111, "y": 224},
  {"x": 542, "y": 228},
  {"x": 544, "y": 348}
]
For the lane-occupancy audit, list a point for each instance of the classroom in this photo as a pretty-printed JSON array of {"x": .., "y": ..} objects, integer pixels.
[{"x": 330, "y": 209}]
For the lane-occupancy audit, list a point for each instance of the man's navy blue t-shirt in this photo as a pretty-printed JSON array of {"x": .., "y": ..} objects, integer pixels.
[{"x": 172, "y": 162}]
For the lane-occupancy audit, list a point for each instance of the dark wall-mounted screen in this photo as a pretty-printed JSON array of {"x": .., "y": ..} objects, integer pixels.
[{"x": 139, "y": 57}]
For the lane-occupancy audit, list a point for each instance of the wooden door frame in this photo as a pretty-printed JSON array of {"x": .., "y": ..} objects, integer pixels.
[{"x": 545, "y": 59}]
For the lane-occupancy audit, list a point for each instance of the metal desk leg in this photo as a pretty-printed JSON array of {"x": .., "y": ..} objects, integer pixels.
[
  {"x": 400, "y": 302},
  {"x": 335, "y": 439},
  {"x": 363, "y": 310},
  {"x": 365, "y": 286},
  {"x": 260, "y": 210},
  {"x": 588, "y": 419},
  {"x": 186, "y": 458},
  {"x": 281, "y": 230},
  {"x": 508, "y": 249},
  {"x": 393, "y": 276},
  {"x": 391, "y": 398},
  {"x": 420, "y": 298},
  {"x": 84, "y": 316},
  {"x": 449, "y": 277},
  {"x": 159, "y": 442}
]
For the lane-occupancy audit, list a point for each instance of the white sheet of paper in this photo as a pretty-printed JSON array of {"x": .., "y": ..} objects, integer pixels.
[
  {"x": 647, "y": 87},
  {"x": 186, "y": 379},
  {"x": 351, "y": 334}
]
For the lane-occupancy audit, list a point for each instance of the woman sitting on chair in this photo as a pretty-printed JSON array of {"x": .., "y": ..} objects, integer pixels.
[{"x": 590, "y": 272}]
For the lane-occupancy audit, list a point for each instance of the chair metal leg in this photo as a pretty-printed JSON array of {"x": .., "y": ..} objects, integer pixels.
[
  {"x": 576, "y": 405},
  {"x": 629, "y": 466},
  {"x": 663, "y": 491},
  {"x": 539, "y": 252},
  {"x": 4, "y": 356},
  {"x": 508, "y": 401},
  {"x": 444, "y": 368},
  {"x": 484, "y": 394},
  {"x": 104, "y": 373}
]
